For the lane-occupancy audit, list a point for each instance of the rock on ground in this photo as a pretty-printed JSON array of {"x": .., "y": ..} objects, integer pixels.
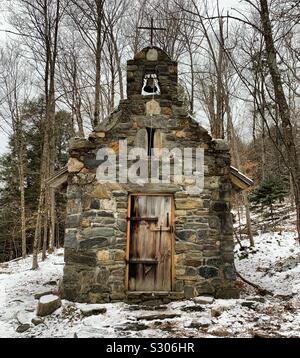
[
  {"x": 24, "y": 317},
  {"x": 202, "y": 322},
  {"x": 250, "y": 304},
  {"x": 38, "y": 295},
  {"x": 47, "y": 305},
  {"x": 195, "y": 308},
  {"x": 204, "y": 300},
  {"x": 37, "y": 321},
  {"x": 93, "y": 310},
  {"x": 219, "y": 308},
  {"x": 23, "y": 328},
  {"x": 154, "y": 317}
]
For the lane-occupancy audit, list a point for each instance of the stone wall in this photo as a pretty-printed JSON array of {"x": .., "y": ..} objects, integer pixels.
[{"x": 96, "y": 227}]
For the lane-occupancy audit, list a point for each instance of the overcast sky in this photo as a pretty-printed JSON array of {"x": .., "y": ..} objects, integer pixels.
[{"x": 226, "y": 4}]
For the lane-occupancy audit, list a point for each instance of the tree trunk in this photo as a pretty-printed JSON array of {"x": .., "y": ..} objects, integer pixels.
[
  {"x": 292, "y": 195},
  {"x": 41, "y": 204},
  {"x": 97, "y": 91},
  {"x": 78, "y": 114},
  {"x": 23, "y": 213},
  {"x": 263, "y": 149},
  {"x": 19, "y": 147},
  {"x": 37, "y": 234},
  {"x": 192, "y": 97},
  {"x": 98, "y": 64},
  {"x": 48, "y": 157},
  {"x": 283, "y": 108},
  {"x": 113, "y": 89},
  {"x": 237, "y": 163},
  {"x": 248, "y": 219},
  {"x": 45, "y": 237},
  {"x": 272, "y": 215},
  {"x": 52, "y": 220},
  {"x": 119, "y": 66},
  {"x": 20, "y": 150},
  {"x": 219, "y": 97}
]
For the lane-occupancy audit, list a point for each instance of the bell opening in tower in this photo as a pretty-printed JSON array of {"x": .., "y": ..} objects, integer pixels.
[{"x": 151, "y": 85}]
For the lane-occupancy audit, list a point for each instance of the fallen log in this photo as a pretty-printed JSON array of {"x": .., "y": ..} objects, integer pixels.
[{"x": 261, "y": 291}]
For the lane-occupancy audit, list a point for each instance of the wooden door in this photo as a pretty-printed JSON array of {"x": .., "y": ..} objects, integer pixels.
[{"x": 150, "y": 247}]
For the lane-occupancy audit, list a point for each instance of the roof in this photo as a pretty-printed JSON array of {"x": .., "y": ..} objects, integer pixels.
[
  {"x": 239, "y": 180},
  {"x": 59, "y": 178}
]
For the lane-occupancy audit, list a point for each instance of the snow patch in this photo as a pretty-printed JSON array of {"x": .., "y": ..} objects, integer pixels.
[{"x": 272, "y": 264}]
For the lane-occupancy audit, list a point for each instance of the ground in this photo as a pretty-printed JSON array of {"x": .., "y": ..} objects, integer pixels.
[{"x": 273, "y": 264}]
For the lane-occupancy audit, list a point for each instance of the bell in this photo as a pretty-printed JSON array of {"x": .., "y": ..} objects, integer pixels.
[{"x": 150, "y": 87}]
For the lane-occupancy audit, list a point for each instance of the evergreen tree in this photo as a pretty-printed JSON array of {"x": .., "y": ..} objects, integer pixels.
[
  {"x": 272, "y": 189},
  {"x": 10, "y": 216}
]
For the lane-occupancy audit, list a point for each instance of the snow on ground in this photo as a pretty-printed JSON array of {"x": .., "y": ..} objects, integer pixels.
[
  {"x": 274, "y": 264},
  {"x": 18, "y": 284}
]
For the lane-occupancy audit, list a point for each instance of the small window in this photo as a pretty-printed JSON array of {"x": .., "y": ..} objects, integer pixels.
[
  {"x": 151, "y": 133},
  {"x": 151, "y": 85}
]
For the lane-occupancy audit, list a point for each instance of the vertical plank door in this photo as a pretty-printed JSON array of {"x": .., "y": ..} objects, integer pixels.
[{"x": 150, "y": 258}]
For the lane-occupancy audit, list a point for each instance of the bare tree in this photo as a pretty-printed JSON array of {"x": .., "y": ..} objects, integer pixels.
[
  {"x": 88, "y": 17},
  {"x": 40, "y": 21},
  {"x": 216, "y": 79},
  {"x": 71, "y": 80},
  {"x": 131, "y": 32},
  {"x": 115, "y": 13},
  {"x": 282, "y": 103},
  {"x": 269, "y": 90},
  {"x": 14, "y": 80}
]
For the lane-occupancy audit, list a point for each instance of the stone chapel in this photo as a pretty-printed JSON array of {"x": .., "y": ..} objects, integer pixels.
[{"x": 153, "y": 242}]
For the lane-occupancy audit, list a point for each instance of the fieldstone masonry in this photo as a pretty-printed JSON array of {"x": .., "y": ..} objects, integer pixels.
[{"x": 96, "y": 226}]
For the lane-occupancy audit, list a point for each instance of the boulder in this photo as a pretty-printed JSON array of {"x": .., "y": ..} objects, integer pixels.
[
  {"x": 195, "y": 308},
  {"x": 219, "y": 332},
  {"x": 24, "y": 317},
  {"x": 93, "y": 310},
  {"x": 250, "y": 304},
  {"x": 23, "y": 328},
  {"x": 37, "y": 321},
  {"x": 202, "y": 322},
  {"x": 204, "y": 300},
  {"x": 135, "y": 327},
  {"x": 38, "y": 295},
  {"x": 218, "y": 309},
  {"x": 47, "y": 305}
]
